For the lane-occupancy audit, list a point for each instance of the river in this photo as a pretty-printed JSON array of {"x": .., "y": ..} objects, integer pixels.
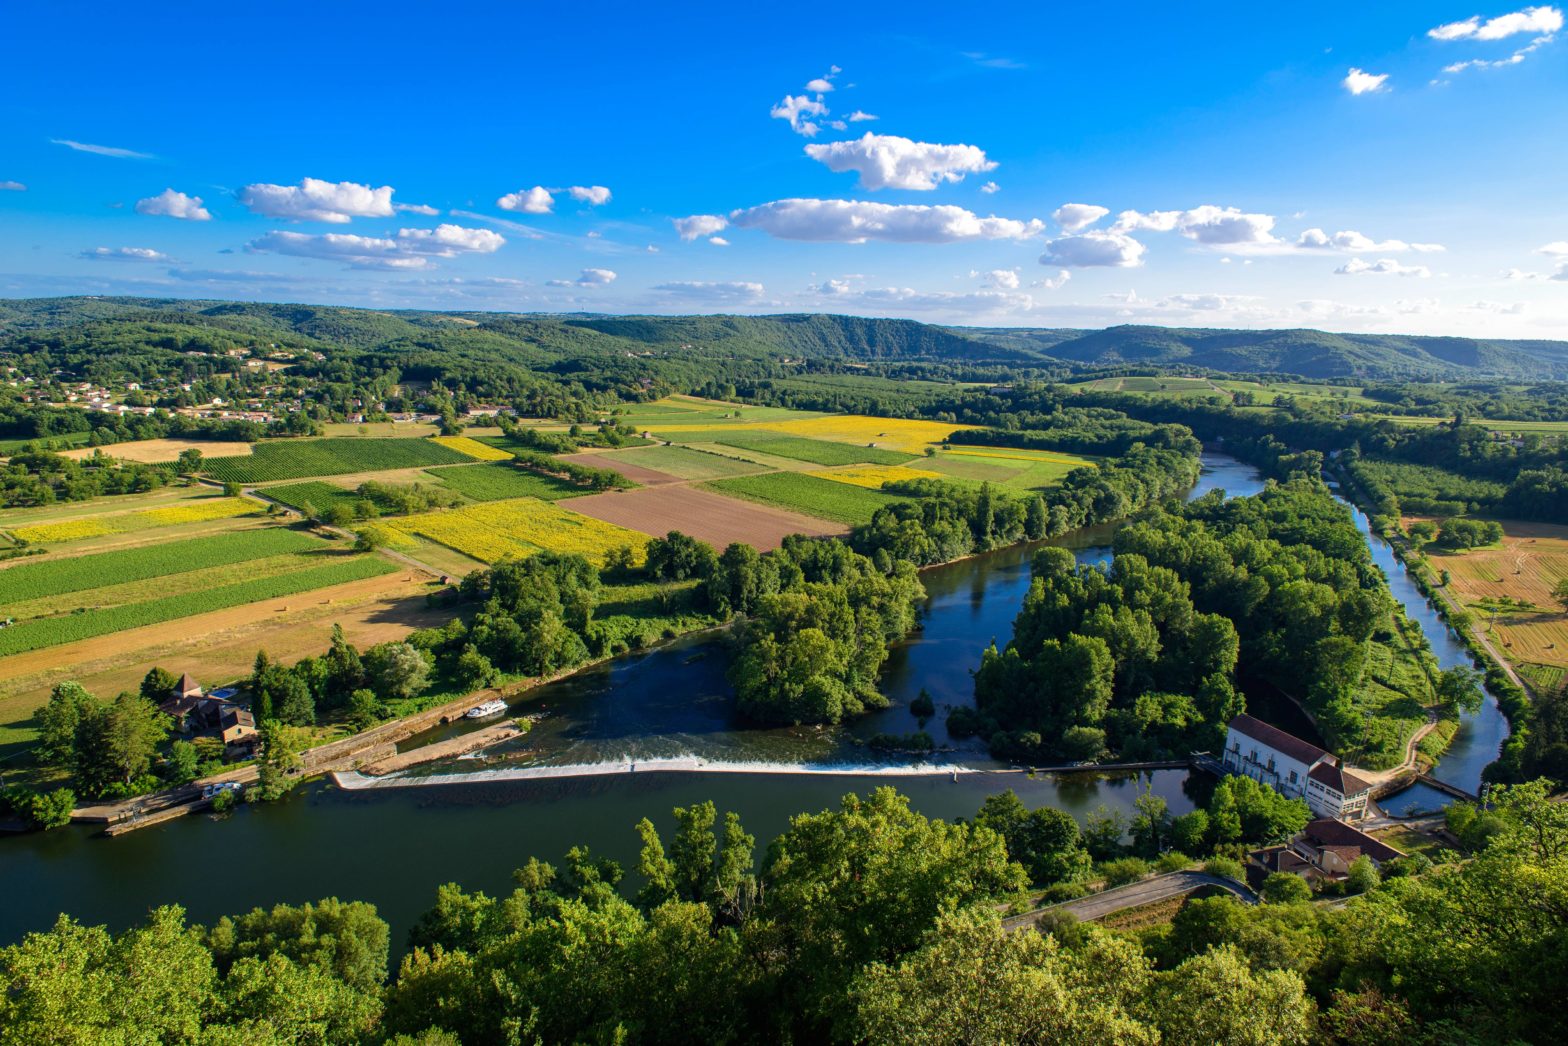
[{"x": 393, "y": 846}]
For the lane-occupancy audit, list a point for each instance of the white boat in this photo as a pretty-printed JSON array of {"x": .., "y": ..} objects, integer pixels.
[{"x": 494, "y": 706}]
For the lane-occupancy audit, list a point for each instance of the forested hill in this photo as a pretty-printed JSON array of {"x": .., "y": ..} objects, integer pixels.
[{"x": 584, "y": 343}]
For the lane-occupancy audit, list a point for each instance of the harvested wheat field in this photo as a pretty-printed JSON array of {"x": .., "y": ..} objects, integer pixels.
[
  {"x": 710, "y": 517},
  {"x": 151, "y": 451},
  {"x": 1524, "y": 568},
  {"x": 636, "y": 473}
]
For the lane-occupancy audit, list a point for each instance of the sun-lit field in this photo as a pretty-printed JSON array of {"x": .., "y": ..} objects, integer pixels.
[
  {"x": 473, "y": 448},
  {"x": 873, "y": 476},
  {"x": 152, "y": 451},
  {"x": 909, "y": 435},
  {"x": 520, "y": 527},
  {"x": 125, "y": 522},
  {"x": 1531, "y": 627}
]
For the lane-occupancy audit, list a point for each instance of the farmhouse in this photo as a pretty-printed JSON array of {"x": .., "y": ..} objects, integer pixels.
[
  {"x": 1294, "y": 768},
  {"x": 1325, "y": 849}
]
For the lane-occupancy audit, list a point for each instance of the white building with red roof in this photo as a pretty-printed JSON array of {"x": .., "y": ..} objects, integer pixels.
[{"x": 1295, "y": 768}]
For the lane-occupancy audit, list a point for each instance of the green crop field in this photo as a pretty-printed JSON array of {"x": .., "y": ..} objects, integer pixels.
[
  {"x": 808, "y": 494},
  {"x": 498, "y": 480},
  {"x": 304, "y": 458},
  {"x": 69, "y": 628},
  {"x": 50, "y": 577},
  {"x": 798, "y": 448},
  {"x": 320, "y": 496},
  {"x": 63, "y": 440},
  {"x": 681, "y": 461}
]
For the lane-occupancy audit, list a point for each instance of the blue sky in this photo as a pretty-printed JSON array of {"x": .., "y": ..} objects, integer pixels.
[{"x": 1388, "y": 167}]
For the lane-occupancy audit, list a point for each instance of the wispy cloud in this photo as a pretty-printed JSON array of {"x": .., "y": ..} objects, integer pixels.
[{"x": 102, "y": 150}]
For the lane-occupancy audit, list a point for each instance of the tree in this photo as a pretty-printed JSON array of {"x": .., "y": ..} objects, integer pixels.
[
  {"x": 158, "y": 685},
  {"x": 1459, "y": 689},
  {"x": 1363, "y": 875},
  {"x": 1190, "y": 832},
  {"x": 183, "y": 764},
  {"x": 189, "y": 462},
  {"x": 115, "y": 743},
  {"x": 345, "y": 939},
  {"x": 232, "y": 489},
  {"x": 277, "y": 760},
  {"x": 1217, "y": 998},
  {"x": 364, "y": 709},
  {"x": 1151, "y": 825},
  {"x": 1285, "y": 888},
  {"x": 59, "y": 720},
  {"x": 676, "y": 557},
  {"x": 473, "y": 670},
  {"x": 1560, "y": 593},
  {"x": 396, "y": 670}
]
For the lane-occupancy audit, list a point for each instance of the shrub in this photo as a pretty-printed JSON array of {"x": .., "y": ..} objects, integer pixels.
[
  {"x": 1172, "y": 861},
  {"x": 1124, "y": 870},
  {"x": 1284, "y": 888},
  {"x": 1225, "y": 868}
]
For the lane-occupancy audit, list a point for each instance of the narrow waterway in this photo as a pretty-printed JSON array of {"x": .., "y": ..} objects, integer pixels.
[{"x": 392, "y": 847}]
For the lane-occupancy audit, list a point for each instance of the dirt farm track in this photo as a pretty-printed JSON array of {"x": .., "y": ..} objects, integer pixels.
[{"x": 701, "y": 514}]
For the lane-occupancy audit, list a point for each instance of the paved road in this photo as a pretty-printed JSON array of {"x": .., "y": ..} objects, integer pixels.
[{"x": 1133, "y": 895}]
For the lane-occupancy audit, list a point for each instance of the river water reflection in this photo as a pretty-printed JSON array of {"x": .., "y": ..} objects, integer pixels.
[{"x": 393, "y": 846}]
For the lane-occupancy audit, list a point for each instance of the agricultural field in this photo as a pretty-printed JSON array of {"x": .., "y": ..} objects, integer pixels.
[
  {"x": 153, "y": 451},
  {"x": 873, "y": 477},
  {"x": 322, "y": 497},
  {"x": 308, "y": 458},
  {"x": 499, "y": 480},
  {"x": 897, "y": 434},
  {"x": 1515, "y": 428},
  {"x": 519, "y": 527},
  {"x": 67, "y": 600},
  {"x": 473, "y": 448},
  {"x": 680, "y": 462},
  {"x": 1005, "y": 466},
  {"x": 797, "y": 448},
  {"x": 1508, "y": 589},
  {"x": 201, "y": 510},
  {"x": 808, "y": 494},
  {"x": 638, "y": 474},
  {"x": 703, "y": 514},
  {"x": 383, "y": 429},
  {"x": 62, "y": 441}
]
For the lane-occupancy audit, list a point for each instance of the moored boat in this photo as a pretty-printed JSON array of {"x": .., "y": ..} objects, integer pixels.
[{"x": 494, "y": 706}]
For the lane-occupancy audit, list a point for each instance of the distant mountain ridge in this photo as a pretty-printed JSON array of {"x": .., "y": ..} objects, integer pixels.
[{"x": 536, "y": 337}]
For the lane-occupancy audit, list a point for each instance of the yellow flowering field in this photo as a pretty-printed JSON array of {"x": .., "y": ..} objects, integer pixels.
[
  {"x": 873, "y": 476},
  {"x": 493, "y": 530},
  {"x": 473, "y": 448},
  {"x": 96, "y": 526},
  {"x": 909, "y": 435}
]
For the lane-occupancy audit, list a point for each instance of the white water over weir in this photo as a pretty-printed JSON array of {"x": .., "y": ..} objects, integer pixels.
[{"x": 355, "y": 781}]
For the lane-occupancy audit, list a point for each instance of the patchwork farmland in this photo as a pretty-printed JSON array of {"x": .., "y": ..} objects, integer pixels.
[{"x": 703, "y": 514}]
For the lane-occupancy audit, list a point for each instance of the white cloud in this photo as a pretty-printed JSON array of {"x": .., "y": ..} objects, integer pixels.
[
  {"x": 1075, "y": 217},
  {"x": 706, "y": 290},
  {"x": 1204, "y": 302},
  {"x": 893, "y": 300},
  {"x": 700, "y": 225},
  {"x": 1555, "y": 249},
  {"x": 316, "y": 200},
  {"x": 142, "y": 254},
  {"x": 592, "y": 195},
  {"x": 1359, "y": 82},
  {"x": 1208, "y": 224},
  {"x": 1544, "y": 20},
  {"x": 1001, "y": 279},
  {"x": 718, "y": 241},
  {"x": 408, "y": 249},
  {"x": 796, "y": 108},
  {"x": 1381, "y": 267},
  {"x": 417, "y": 208},
  {"x": 171, "y": 204},
  {"x": 887, "y": 161},
  {"x": 1357, "y": 243},
  {"x": 9, "y": 186},
  {"x": 856, "y": 221},
  {"x": 1054, "y": 283},
  {"x": 1092, "y": 249},
  {"x": 528, "y": 201},
  {"x": 596, "y": 277},
  {"x": 859, "y": 117},
  {"x": 990, "y": 187},
  {"x": 102, "y": 150},
  {"x": 819, "y": 85}
]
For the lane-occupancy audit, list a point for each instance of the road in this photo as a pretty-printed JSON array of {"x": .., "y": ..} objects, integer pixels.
[{"x": 1133, "y": 895}]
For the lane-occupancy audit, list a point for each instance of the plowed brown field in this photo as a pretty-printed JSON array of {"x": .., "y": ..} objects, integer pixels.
[{"x": 702, "y": 514}]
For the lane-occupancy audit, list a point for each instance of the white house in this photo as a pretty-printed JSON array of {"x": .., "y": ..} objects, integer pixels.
[{"x": 1294, "y": 768}]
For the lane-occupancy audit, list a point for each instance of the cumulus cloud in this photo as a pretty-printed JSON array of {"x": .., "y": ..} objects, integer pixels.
[
  {"x": 1001, "y": 279},
  {"x": 316, "y": 200},
  {"x": 1075, "y": 217},
  {"x": 857, "y": 221},
  {"x": 171, "y": 204},
  {"x": 707, "y": 290},
  {"x": 1359, "y": 82},
  {"x": 141, "y": 254},
  {"x": 416, "y": 208},
  {"x": 592, "y": 195},
  {"x": 1542, "y": 20},
  {"x": 1209, "y": 225},
  {"x": 798, "y": 110},
  {"x": 408, "y": 249},
  {"x": 718, "y": 241},
  {"x": 588, "y": 278},
  {"x": 860, "y": 117},
  {"x": 1093, "y": 249},
  {"x": 528, "y": 201},
  {"x": 1053, "y": 283},
  {"x": 843, "y": 294},
  {"x": 887, "y": 161},
  {"x": 700, "y": 225},
  {"x": 1356, "y": 243},
  {"x": 101, "y": 150},
  {"x": 1381, "y": 267},
  {"x": 9, "y": 186},
  {"x": 990, "y": 187},
  {"x": 1555, "y": 249}
]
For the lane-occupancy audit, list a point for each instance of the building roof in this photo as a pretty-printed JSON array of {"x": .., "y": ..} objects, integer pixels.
[
  {"x": 1327, "y": 833},
  {"x": 1277, "y": 739},
  {"x": 186, "y": 685},
  {"x": 1339, "y": 779}
]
